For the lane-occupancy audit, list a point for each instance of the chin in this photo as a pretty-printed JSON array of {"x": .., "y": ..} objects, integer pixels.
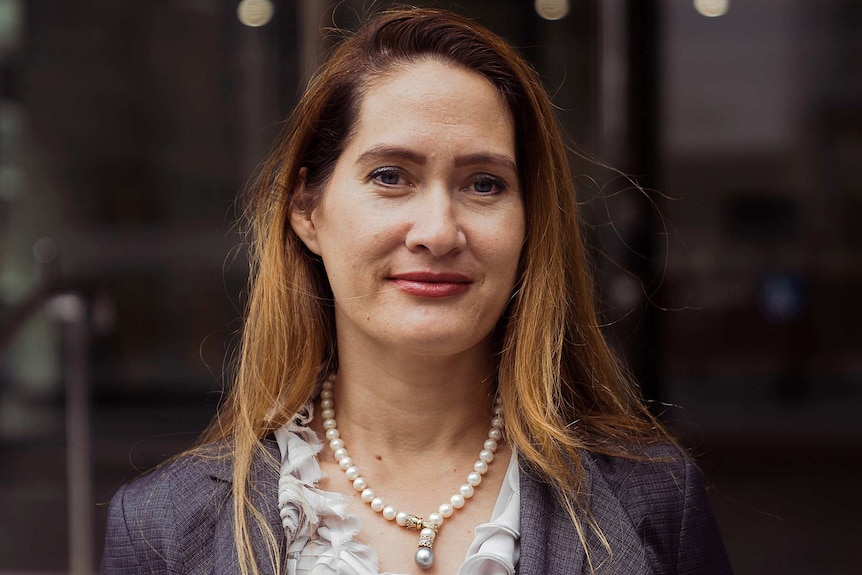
[{"x": 440, "y": 343}]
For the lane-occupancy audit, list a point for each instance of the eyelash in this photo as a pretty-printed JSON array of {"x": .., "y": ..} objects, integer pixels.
[
  {"x": 385, "y": 171},
  {"x": 497, "y": 184}
]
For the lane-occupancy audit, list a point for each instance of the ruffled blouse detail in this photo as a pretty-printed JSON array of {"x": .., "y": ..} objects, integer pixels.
[{"x": 320, "y": 530}]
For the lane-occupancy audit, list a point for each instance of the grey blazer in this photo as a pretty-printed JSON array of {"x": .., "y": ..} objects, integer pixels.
[{"x": 655, "y": 515}]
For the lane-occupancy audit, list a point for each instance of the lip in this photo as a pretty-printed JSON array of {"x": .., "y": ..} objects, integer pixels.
[{"x": 431, "y": 284}]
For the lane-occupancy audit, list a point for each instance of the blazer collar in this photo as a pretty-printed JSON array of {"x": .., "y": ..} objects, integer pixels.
[{"x": 221, "y": 460}]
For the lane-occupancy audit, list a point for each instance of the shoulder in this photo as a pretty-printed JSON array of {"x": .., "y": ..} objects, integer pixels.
[
  {"x": 655, "y": 476},
  {"x": 660, "y": 493},
  {"x": 153, "y": 518},
  {"x": 646, "y": 513},
  {"x": 179, "y": 487}
]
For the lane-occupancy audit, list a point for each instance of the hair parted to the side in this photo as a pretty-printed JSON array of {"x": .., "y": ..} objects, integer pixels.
[{"x": 562, "y": 388}]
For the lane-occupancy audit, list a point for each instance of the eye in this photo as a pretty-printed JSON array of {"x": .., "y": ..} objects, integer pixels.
[
  {"x": 486, "y": 185},
  {"x": 388, "y": 176}
]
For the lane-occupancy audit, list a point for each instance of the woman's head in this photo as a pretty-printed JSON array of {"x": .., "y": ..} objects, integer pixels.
[
  {"x": 291, "y": 278},
  {"x": 420, "y": 225}
]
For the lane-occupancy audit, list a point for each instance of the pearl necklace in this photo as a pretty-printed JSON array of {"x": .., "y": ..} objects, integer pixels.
[{"x": 428, "y": 528}]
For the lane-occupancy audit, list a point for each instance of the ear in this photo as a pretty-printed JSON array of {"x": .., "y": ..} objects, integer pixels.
[{"x": 302, "y": 221}]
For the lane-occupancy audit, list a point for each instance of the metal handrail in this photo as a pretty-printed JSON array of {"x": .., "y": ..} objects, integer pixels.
[{"x": 69, "y": 308}]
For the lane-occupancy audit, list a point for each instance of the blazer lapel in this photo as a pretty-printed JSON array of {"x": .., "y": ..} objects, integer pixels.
[
  {"x": 550, "y": 543},
  {"x": 628, "y": 555},
  {"x": 263, "y": 492}
]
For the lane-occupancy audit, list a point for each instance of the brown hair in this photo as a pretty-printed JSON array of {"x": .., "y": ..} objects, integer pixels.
[{"x": 562, "y": 388}]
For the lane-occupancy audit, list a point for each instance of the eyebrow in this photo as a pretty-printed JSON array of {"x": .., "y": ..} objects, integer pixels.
[{"x": 396, "y": 152}]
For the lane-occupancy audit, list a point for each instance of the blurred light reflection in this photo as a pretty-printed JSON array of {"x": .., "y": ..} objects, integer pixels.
[
  {"x": 712, "y": 8},
  {"x": 255, "y": 13},
  {"x": 552, "y": 9}
]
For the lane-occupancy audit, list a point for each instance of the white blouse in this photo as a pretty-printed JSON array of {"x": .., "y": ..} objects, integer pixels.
[{"x": 320, "y": 530}]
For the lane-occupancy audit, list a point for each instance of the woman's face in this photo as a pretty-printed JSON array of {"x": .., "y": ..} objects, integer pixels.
[{"x": 421, "y": 224}]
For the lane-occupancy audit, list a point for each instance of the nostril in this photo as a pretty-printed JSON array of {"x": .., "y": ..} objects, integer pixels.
[{"x": 439, "y": 236}]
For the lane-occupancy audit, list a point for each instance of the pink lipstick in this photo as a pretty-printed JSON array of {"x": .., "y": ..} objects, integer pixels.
[{"x": 431, "y": 284}]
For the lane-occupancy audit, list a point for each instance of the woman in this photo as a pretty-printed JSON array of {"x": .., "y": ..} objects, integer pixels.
[{"x": 420, "y": 297}]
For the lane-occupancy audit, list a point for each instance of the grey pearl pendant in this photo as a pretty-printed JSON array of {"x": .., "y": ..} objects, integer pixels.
[{"x": 424, "y": 557}]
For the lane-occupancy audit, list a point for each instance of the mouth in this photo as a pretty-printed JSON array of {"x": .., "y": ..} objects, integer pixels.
[{"x": 431, "y": 284}]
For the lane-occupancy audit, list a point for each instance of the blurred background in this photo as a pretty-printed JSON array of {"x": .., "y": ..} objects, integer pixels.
[{"x": 729, "y": 281}]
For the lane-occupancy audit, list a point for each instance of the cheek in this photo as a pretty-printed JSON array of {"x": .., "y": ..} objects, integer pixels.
[
  {"x": 354, "y": 237},
  {"x": 509, "y": 242},
  {"x": 513, "y": 257}
]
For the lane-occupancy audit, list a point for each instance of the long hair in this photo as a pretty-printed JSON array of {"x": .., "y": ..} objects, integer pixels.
[{"x": 563, "y": 391}]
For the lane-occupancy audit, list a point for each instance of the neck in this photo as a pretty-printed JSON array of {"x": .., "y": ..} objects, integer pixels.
[{"x": 435, "y": 404}]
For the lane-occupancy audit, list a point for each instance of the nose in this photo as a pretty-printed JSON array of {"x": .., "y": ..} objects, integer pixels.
[{"x": 436, "y": 226}]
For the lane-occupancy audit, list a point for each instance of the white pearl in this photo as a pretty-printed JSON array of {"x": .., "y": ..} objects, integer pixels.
[
  {"x": 429, "y": 533},
  {"x": 457, "y": 501},
  {"x": 424, "y": 558}
]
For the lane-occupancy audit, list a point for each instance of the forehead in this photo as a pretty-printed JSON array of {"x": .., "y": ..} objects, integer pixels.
[{"x": 434, "y": 101}]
